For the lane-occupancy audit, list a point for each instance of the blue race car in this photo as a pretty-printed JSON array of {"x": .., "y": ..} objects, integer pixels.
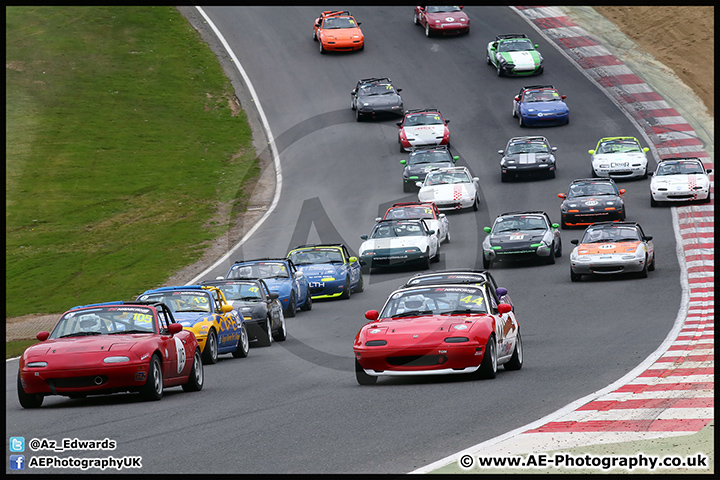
[
  {"x": 330, "y": 269},
  {"x": 205, "y": 312},
  {"x": 540, "y": 105},
  {"x": 283, "y": 278}
]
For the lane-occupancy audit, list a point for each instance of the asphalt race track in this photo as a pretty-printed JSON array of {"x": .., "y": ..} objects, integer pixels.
[{"x": 296, "y": 407}]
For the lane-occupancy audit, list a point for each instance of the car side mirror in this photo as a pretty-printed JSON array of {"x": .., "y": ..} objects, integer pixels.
[
  {"x": 537, "y": 46},
  {"x": 476, "y": 179},
  {"x": 501, "y": 151},
  {"x": 398, "y": 90},
  {"x": 648, "y": 238},
  {"x": 174, "y": 328},
  {"x": 504, "y": 308},
  {"x": 364, "y": 237},
  {"x": 487, "y": 229},
  {"x": 552, "y": 149},
  {"x": 359, "y": 23},
  {"x": 442, "y": 215},
  {"x": 226, "y": 308},
  {"x": 646, "y": 149},
  {"x": 399, "y": 124},
  {"x": 591, "y": 152},
  {"x": 372, "y": 314},
  {"x": 563, "y": 97},
  {"x": 377, "y": 219},
  {"x": 501, "y": 291},
  {"x": 650, "y": 174},
  {"x": 709, "y": 170},
  {"x": 220, "y": 278},
  {"x": 575, "y": 241},
  {"x": 555, "y": 226},
  {"x": 561, "y": 195},
  {"x": 352, "y": 259},
  {"x": 447, "y": 121},
  {"x": 403, "y": 162},
  {"x": 517, "y": 99},
  {"x": 622, "y": 192},
  {"x": 456, "y": 158},
  {"x": 273, "y": 295},
  {"x": 431, "y": 232},
  {"x": 42, "y": 336},
  {"x": 418, "y": 184}
]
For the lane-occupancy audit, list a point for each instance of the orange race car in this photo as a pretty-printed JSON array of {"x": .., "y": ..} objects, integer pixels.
[{"x": 337, "y": 31}]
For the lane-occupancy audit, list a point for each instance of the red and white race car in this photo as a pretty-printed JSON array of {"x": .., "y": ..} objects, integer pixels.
[
  {"x": 438, "y": 329},
  {"x": 111, "y": 347},
  {"x": 422, "y": 127},
  {"x": 450, "y": 188}
]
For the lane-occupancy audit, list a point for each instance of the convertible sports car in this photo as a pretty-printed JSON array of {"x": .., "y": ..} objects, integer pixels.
[
  {"x": 461, "y": 276},
  {"x": 399, "y": 242},
  {"x": 283, "y": 278},
  {"x": 590, "y": 200},
  {"x": 522, "y": 235},
  {"x": 609, "y": 248},
  {"x": 514, "y": 55},
  {"x": 376, "y": 96},
  {"x": 433, "y": 218},
  {"x": 451, "y": 188},
  {"x": 438, "y": 330},
  {"x": 540, "y": 105},
  {"x": 449, "y": 20},
  {"x": 619, "y": 157},
  {"x": 680, "y": 180},
  {"x": 330, "y": 270},
  {"x": 205, "y": 312},
  {"x": 107, "y": 348},
  {"x": 337, "y": 31},
  {"x": 527, "y": 156},
  {"x": 260, "y": 309},
  {"x": 423, "y": 159},
  {"x": 422, "y": 127}
]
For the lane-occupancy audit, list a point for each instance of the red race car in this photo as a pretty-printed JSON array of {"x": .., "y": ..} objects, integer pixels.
[
  {"x": 449, "y": 20},
  {"x": 111, "y": 347},
  {"x": 422, "y": 127},
  {"x": 438, "y": 329}
]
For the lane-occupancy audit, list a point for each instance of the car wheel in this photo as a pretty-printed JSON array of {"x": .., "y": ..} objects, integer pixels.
[
  {"x": 551, "y": 174},
  {"x": 574, "y": 277},
  {"x": 593, "y": 174},
  {"x": 436, "y": 258},
  {"x": 488, "y": 367},
  {"x": 426, "y": 261},
  {"x": 653, "y": 202},
  {"x": 499, "y": 70},
  {"x": 558, "y": 253},
  {"x": 447, "y": 237},
  {"x": 314, "y": 35},
  {"x": 265, "y": 338},
  {"x": 645, "y": 175},
  {"x": 322, "y": 50},
  {"x": 475, "y": 204},
  {"x": 362, "y": 377},
  {"x": 622, "y": 215},
  {"x": 292, "y": 306},
  {"x": 243, "y": 347},
  {"x": 520, "y": 121},
  {"x": 486, "y": 263},
  {"x": 402, "y": 149},
  {"x": 516, "y": 361},
  {"x": 514, "y": 113},
  {"x": 361, "y": 284},
  {"x": 357, "y": 115},
  {"x": 281, "y": 334},
  {"x": 352, "y": 103},
  {"x": 307, "y": 306},
  {"x": 197, "y": 374},
  {"x": 427, "y": 29},
  {"x": 503, "y": 177},
  {"x": 346, "y": 293},
  {"x": 551, "y": 258},
  {"x": 153, "y": 388},
  {"x": 210, "y": 355},
  {"x": 644, "y": 272},
  {"x": 415, "y": 19},
  {"x": 28, "y": 400},
  {"x": 407, "y": 187}
]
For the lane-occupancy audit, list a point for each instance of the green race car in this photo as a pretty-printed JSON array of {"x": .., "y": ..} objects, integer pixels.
[{"x": 514, "y": 55}]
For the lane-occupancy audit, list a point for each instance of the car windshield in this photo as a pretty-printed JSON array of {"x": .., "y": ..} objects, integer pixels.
[
  {"x": 106, "y": 320},
  {"x": 442, "y": 178},
  {"x": 316, "y": 256},
  {"x": 432, "y": 9},
  {"x": 339, "y": 22},
  {"x": 259, "y": 270},
  {"x": 517, "y": 223},
  {"x": 418, "y": 119},
  {"x": 376, "y": 89},
  {"x": 410, "y": 212},
  {"x": 436, "y": 301},
  {"x": 389, "y": 230},
  {"x": 541, "y": 96},
  {"x": 515, "y": 45},
  {"x": 182, "y": 301},
  {"x": 679, "y": 168},
  {"x": 241, "y": 291},
  {"x": 611, "y": 233},
  {"x": 440, "y": 156},
  {"x": 618, "y": 146},
  {"x": 590, "y": 189},
  {"x": 527, "y": 147}
]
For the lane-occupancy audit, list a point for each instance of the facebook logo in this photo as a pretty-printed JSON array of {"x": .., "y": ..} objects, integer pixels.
[
  {"x": 17, "y": 444},
  {"x": 17, "y": 462}
]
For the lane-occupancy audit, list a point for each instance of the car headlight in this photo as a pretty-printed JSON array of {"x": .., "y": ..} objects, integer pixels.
[
  {"x": 36, "y": 364},
  {"x": 118, "y": 359}
]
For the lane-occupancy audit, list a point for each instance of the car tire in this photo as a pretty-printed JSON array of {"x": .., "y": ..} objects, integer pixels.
[
  {"x": 436, "y": 258},
  {"x": 352, "y": 103},
  {"x": 516, "y": 361},
  {"x": 558, "y": 253},
  {"x": 210, "y": 354},
  {"x": 402, "y": 149},
  {"x": 292, "y": 306},
  {"x": 653, "y": 202},
  {"x": 307, "y": 306},
  {"x": 499, "y": 70},
  {"x": 322, "y": 50},
  {"x": 486, "y": 263},
  {"x": 415, "y": 19},
  {"x": 362, "y": 377},
  {"x": 28, "y": 400},
  {"x": 521, "y": 122},
  {"x": 503, "y": 177},
  {"x": 551, "y": 174},
  {"x": 426, "y": 261},
  {"x": 361, "y": 285},
  {"x": 357, "y": 115},
  {"x": 645, "y": 175},
  {"x": 427, "y": 29},
  {"x": 153, "y": 388},
  {"x": 447, "y": 237},
  {"x": 281, "y": 334},
  {"x": 592, "y": 173},
  {"x": 514, "y": 113},
  {"x": 265, "y": 338},
  {"x": 243, "y": 347},
  {"x": 314, "y": 35},
  {"x": 644, "y": 272},
  {"x": 347, "y": 291},
  {"x": 574, "y": 277},
  {"x": 407, "y": 187},
  {"x": 551, "y": 258},
  {"x": 197, "y": 374},
  {"x": 475, "y": 205},
  {"x": 488, "y": 367}
]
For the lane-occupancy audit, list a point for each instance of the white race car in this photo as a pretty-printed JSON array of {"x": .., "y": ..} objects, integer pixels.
[
  {"x": 397, "y": 242},
  {"x": 428, "y": 211},
  {"x": 619, "y": 157},
  {"x": 451, "y": 188},
  {"x": 423, "y": 127},
  {"x": 680, "y": 180}
]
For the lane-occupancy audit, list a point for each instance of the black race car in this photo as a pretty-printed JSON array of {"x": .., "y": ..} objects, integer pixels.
[
  {"x": 423, "y": 159},
  {"x": 376, "y": 96},
  {"x": 531, "y": 155},
  {"x": 520, "y": 236},
  {"x": 260, "y": 308},
  {"x": 460, "y": 276},
  {"x": 591, "y": 200}
]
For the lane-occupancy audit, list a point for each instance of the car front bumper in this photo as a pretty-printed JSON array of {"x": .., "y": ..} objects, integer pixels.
[
  {"x": 128, "y": 376},
  {"x": 584, "y": 219},
  {"x": 685, "y": 195},
  {"x": 440, "y": 359},
  {"x": 610, "y": 266}
]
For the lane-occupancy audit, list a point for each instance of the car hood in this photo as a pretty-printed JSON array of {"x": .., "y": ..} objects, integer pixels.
[
  {"x": 446, "y": 192},
  {"x": 607, "y": 248},
  {"x": 420, "y": 241},
  {"x": 619, "y": 157},
  {"x": 448, "y": 17},
  {"x": 388, "y": 100},
  {"x": 544, "y": 107},
  {"x": 685, "y": 181},
  {"x": 423, "y": 132},
  {"x": 529, "y": 158},
  {"x": 342, "y": 33},
  {"x": 521, "y": 58},
  {"x": 96, "y": 343},
  {"x": 317, "y": 269},
  {"x": 517, "y": 237},
  {"x": 447, "y": 325},
  {"x": 592, "y": 202},
  {"x": 423, "y": 168}
]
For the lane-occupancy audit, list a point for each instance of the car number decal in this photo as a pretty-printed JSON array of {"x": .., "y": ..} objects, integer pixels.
[
  {"x": 180, "y": 355},
  {"x": 476, "y": 299}
]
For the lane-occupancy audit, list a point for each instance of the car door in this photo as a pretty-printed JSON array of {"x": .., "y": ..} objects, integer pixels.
[
  {"x": 172, "y": 349},
  {"x": 506, "y": 327},
  {"x": 274, "y": 306},
  {"x": 228, "y": 322},
  {"x": 301, "y": 282},
  {"x": 352, "y": 267}
]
